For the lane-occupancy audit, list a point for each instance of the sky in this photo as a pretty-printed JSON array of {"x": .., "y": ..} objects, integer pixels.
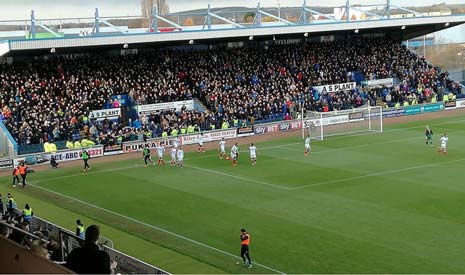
[{"x": 20, "y": 9}]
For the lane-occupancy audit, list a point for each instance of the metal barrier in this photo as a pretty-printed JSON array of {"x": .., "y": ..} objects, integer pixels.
[{"x": 68, "y": 241}]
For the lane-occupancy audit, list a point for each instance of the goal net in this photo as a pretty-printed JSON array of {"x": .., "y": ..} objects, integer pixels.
[{"x": 320, "y": 125}]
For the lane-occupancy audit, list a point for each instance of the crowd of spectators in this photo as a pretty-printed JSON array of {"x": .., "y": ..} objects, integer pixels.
[
  {"x": 17, "y": 226},
  {"x": 47, "y": 100}
]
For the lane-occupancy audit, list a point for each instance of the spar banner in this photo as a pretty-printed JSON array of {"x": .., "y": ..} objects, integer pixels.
[
  {"x": 336, "y": 87},
  {"x": 138, "y": 146},
  {"x": 98, "y": 115},
  {"x": 387, "y": 82},
  {"x": 209, "y": 136},
  {"x": 115, "y": 149},
  {"x": 75, "y": 154},
  {"x": 175, "y": 105},
  {"x": 245, "y": 131},
  {"x": 460, "y": 103},
  {"x": 450, "y": 104},
  {"x": 356, "y": 116},
  {"x": 6, "y": 163}
]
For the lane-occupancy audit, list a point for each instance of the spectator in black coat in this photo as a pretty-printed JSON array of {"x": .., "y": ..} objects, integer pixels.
[{"x": 89, "y": 259}]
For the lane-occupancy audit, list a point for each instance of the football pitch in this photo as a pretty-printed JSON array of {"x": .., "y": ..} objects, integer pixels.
[{"x": 363, "y": 203}]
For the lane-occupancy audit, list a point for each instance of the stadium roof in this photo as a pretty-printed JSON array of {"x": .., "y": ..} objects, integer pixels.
[{"x": 222, "y": 26}]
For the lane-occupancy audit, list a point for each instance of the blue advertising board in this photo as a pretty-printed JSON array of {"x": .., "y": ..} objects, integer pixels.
[
  {"x": 433, "y": 107},
  {"x": 412, "y": 110}
]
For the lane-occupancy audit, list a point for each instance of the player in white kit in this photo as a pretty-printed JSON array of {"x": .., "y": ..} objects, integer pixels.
[
  {"x": 253, "y": 154},
  {"x": 222, "y": 149},
  {"x": 443, "y": 147},
  {"x": 201, "y": 149},
  {"x": 176, "y": 142},
  {"x": 173, "y": 157},
  {"x": 235, "y": 153},
  {"x": 308, "y": 147},
  {"x": 160, "y": 151},
  {"x": 180, "y": 155}
]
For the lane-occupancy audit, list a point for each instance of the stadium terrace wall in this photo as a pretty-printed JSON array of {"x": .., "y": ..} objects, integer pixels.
[{"x": 211, "y": 136}]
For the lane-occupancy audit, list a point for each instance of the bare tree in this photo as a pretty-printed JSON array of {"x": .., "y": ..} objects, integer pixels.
[{"x": 147, "y": 9}]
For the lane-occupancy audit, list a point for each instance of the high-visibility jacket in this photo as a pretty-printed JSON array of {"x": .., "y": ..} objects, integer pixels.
[
  {"x": 69, "y": 145},
  {"x": 23, "y": 169},
  {"x": 46, "y": 147},
  {"x": 245, "y": 241},
  {"x": 77, "y": 144},
  {"x": 27, "y": 213},
  {"x": 16, "y": 172},
  {"x": 174, "y": 132},
  {"x": 80, "y": 230},
  {"x": 11, "y": 203},
  {"x": 53, "y": 147},
  {"x": 85, "y": 155}
]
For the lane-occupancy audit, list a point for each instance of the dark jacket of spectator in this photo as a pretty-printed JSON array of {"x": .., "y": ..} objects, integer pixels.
[{"x": 89, "y": 259}]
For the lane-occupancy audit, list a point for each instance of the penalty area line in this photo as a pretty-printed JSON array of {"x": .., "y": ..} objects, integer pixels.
[{"x": 154, "y": 227}]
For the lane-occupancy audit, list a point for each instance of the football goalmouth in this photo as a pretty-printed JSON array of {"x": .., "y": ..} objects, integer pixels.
[{"x": 320, "y": 125}]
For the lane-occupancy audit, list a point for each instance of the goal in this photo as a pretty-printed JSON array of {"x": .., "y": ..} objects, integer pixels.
[{"x": 320, "y": 125}]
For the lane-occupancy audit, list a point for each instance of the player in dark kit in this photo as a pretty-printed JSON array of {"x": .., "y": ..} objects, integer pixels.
[
  {"x": 147, "y": 156},
  {"x": 429, "y": 136},
  {"x": 245, "y": 242}
]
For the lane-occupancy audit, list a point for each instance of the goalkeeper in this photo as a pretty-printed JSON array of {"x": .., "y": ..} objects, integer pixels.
[{"x": 429, "y": 136}]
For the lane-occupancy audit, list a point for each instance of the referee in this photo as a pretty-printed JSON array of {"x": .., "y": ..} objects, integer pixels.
[{"x": 245, "y": 241}]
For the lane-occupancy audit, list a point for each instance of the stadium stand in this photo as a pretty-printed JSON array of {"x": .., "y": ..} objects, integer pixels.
[{"x": 50, "y": 100}]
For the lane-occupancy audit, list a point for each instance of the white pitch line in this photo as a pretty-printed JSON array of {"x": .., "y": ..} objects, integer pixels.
[
  {"x": 344, "y": 136},
  {"x": 239, "y": 177},
  {"x": 377, "y": 174},
  {"x": 89, "y": 173},
  {"x": 155, "y": 227},
  {"x": 283, "y": 147}
]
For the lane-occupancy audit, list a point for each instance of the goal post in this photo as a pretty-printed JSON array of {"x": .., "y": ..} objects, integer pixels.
[{"x": 320, "y": 125}]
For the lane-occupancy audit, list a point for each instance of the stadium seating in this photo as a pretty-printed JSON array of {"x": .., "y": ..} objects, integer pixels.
[{"x": 48, "y": 100}]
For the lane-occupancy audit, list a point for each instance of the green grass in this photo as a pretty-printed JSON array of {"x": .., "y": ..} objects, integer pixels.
[{"x": 374, "y": 203}]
